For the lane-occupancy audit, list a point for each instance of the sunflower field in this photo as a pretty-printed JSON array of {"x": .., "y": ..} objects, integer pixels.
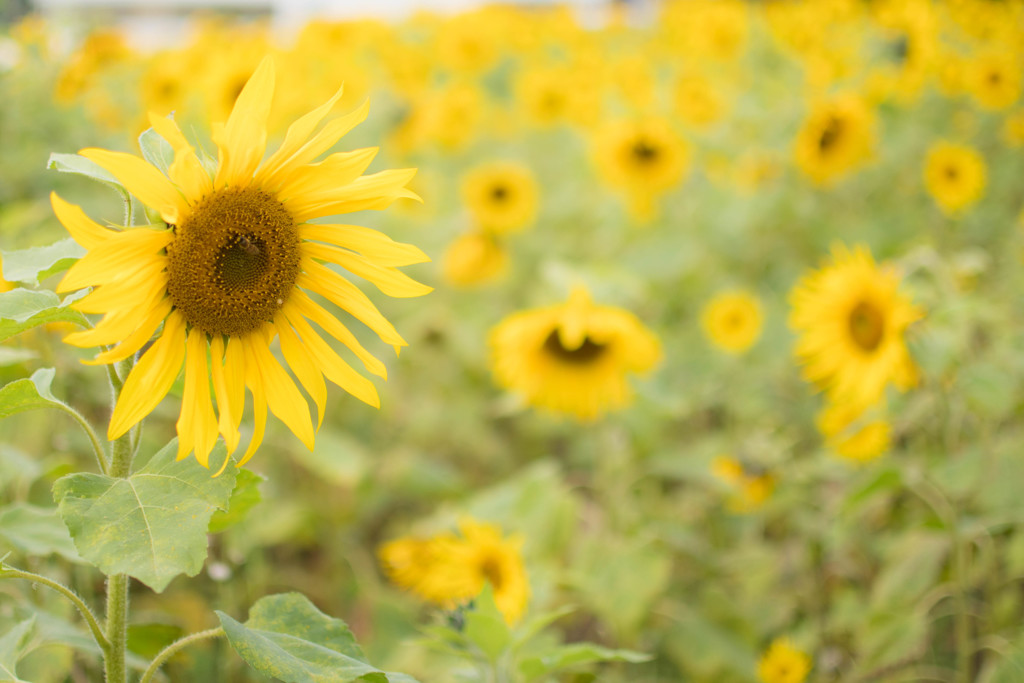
[{"x": 709, "y": 323}]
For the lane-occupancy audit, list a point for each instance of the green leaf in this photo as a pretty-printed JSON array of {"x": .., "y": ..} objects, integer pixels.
[
  {"x": 148, "y": 640},
  {"x": 23, "y": 309},
  {"x": 156, "y": 150},
  {"x": 35, "y": 264},
  {"x": 28, "y": 394},
  {"x": 577, "y": 654},
  {"x": 288, "y": 638},
  {"x": 13, "y": 646},
  {"x": 486, "y": 627},
  {"x": 152, "y": 525},
  {"x": 11, "y": 356},
  {"x": 244, "y": 497},
  {"x": 79, "y": 165},
  {"x": 36, "y": 531}
]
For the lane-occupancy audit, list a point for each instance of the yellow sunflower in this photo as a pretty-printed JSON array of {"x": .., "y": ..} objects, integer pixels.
[
  {"x": 852, "y": 434},
  {"x": 229, "y": 270},
  {"x": 750, "y": 488},
  {"x": 994, "y": 79},
  {"x": 954, "y": 176},
  {"x": 501, "y": 196},
  {"x": 732, "y": 321},
  {"x": 698, "y": 103},
  {"x": 474, "y": 258},
  {"x": 450, "y": 570},
  {"x": 837, "y": 137},
  {"x": 573, "y": 358},
  {"x": 783, "y": 663},
  {"x": 851, "y": 318}
]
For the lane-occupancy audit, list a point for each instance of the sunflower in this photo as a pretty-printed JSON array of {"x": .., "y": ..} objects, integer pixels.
[
  {"x": 749, "y": 488},
  {"x": 573, "y": 358},
  {"x": 954, "y": 176},
  {"x": 698, "y": 103},
  {"x": 994, "y": 79},
  {"x": 851, "y": 318},
  {"x": 836, "y": 137},
  {"x": 474, "y": 258},
  {"x": 450, "y": 570},
  {"x": 783, "y": 663},
  {"x": 732, "y": 321},
  {"x": 501, "y": 196},
  {"x": 645, "y": 158},
  {"x": 230, "y": 268},
  {"x": 852, "y": 434}
]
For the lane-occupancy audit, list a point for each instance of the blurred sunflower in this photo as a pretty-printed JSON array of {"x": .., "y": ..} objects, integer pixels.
[
  {"x": 450, "y": 570},
  {"x": 645, "y": 158},
  {"x": 750, "y": 488},
  {"x": 954, "y": 176},
  {"x": 474, "y": 258},
  {"x": 837, "y": 137},
  {"x": 732, "y": 321},
  {"x": 783, "y": 663},
  {"x": 851, "y": 434},
  {"x": 851, "y": 319},
  {"x": 501, "y": 196},
  {"x": 573, "y": 358},
  {"x": 994, "y": 79},
  {"x": 227, "y": 273},
  {"x": 698, "y": 103}
]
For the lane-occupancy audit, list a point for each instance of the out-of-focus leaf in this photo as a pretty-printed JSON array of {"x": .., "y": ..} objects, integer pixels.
[
  {"x": 910, "y": 569},
  {"x": 577, "y": 654},
  {"x": 23, "y": 309},
  {"x": 28, "y": 394},
  {"x": 36, "y": 531},
  {"x": 13, "y": 646},
  {"x": 486, "y": 627},
  {"x": 889, "y": 638},
  {"x": 244, "y": 497},
  {"x": 156, "y": 150},
  {"x": 147, "y": 640},
  {"x": 288, "y": 638},
  {"x": 35, "y": 264},
  {"x": 622, "y": 583},
  {"x": 152, "y": 525}
]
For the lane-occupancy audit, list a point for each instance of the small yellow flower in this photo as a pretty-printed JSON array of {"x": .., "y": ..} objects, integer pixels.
[
  {"x": 852, "y": 434},
  {"x": 837, "y": 137},
  {"x": 994, "y": 79},
  {"x": 450, "y": 570},
  {"x": 783, "y": 663},
  {"x": 955, "y": 176},
  {"x": 732, "y": 321},
  {"x": 750, "y": 488},
  {"x": 474, "y": 258},
  {"x": 501, "y": 196}
]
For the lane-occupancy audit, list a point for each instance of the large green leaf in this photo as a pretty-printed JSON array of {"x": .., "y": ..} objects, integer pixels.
[
  {"x": 152, "y": 525},
  {"x": 23, "y": 309},
  {"x": 244, "y": 497},
  {"x": 28, "y": 394},
  {"x": 35, "y": 264},
  {"x": 36, "y": 531},
  {"x": 13, "y": 645},
  {"x": 288, "y": 638}
]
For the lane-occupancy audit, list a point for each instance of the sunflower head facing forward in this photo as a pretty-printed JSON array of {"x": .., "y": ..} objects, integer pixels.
[
  {"x": 573, "y": 358},
  {"x": 836, "y": 138},
  {"x": 501, "y": 196},
  {"x": 232, "y": 268},
  {"x": 955, "y": 176},
  {"x": 851, "y": 317}
]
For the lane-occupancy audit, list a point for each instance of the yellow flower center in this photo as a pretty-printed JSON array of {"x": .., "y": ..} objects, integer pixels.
[
  {"x": 587, "y": 352},
  {"x": 644, "y": 152},
  {"x": 867, "y": 326},
  {"x": 499, "y": 193},
  {"x": 233, "y": 261}
]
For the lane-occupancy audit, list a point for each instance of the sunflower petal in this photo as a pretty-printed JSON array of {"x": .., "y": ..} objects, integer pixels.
[
  {"x": 82, "y": 228},
  {"x": 302, "y": 365},
  {"x": 370, "y": 243},
  {"x": 283, "y": 396},
  {"x": 197, "y": 423},
  {"x": 391, "y": 281},
  {"x": 243, "y": 139},
  {"x": 143, "y": 180},
  {"x": 332, "y": 326},
  {"x": 136, "y": 340},
  {"x": 186, "y": 171},
  {"x": 119, "y": 256},
  {"x": 344, "y": 294},
  {"x": 259, "y": 414},
  {"x": 297, "y": 135},
  {"x": 323, "y": 177},
  {"x": 225, "y": 425}
]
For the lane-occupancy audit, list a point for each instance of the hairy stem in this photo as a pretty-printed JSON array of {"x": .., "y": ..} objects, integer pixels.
[
  {"x": 174, "y": 647},
  {"x": 101, "y": 456},
  {"x": 90, "y": 618}
]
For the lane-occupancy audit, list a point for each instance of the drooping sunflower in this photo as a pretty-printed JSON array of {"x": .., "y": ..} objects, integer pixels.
[
  {"x": 232, "y": 268},
  {"x": 573, "y": 358},
  {"x": 851, "y": 318},
  {"x": 732, "y": 321},
  {"x": 782, "y": 662},
  {"x": 448, "y": 570},
  {"x": 837, "y": 137},
  {"x": 501, "y": 196},
  {"x": 954, "y": 176}
]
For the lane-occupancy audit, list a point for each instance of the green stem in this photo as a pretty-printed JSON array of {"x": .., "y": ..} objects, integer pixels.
[
  {"x": 101, "y": 456},
  {"x": 174, "y": 647},
  {"x": 90, "y": 618}
]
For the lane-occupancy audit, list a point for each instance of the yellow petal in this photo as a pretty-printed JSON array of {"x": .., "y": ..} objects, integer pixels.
[
  {"x": 225, "y": 424},
  {"x": 324, "y": 177},
  {"x": 372, "y": 244},
  {"x": 142, "y": 285},
  {"x": 186, "y": 170},
  {"x": 143, "y": 180},
  {"x": 140, "y": 335},
  {"x": 344, "y": 294},
  {"x": 116, "y": 325},
  {"x": 259, "y": 413},
  {"x": 302, "y": 365},
  {"x": 197, "y": 423},
  {"x": 243, "y": 139},
  {"x": 151, "y": 378},
  {"x": 121, "y": 255},
  {"x": 283, "y": 396},
  {"x": 332, "y": 208},
  {"x": 297, "y": 136},
  {"x": 389, "y": 280},
  {"x": 334, "y": 327},
  {"x": 234, "y": 378},
  {"x": 375, "y": 191},
  {"x": 83, "y": 230},
  {"x": 333, "y": 367}
]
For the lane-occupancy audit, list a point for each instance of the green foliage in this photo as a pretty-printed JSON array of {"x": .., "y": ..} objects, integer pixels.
[
  {"x": 244, "y": 497},
  {"x": 35, "y": 264},
  {"x": 24, "y": 309},
  {"x": 79, "y": 165},
  {"x": 152, "y": 525},
  {"x": 288, "y": 638},
  {"x": 14, "y": 644},
  {"x": 35, "y": 530}
]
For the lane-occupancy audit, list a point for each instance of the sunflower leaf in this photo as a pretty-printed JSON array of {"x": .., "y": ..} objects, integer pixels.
[
  {"x": 156, "y": 150},
  {"x": 288, "y": 638},
  {"x": 152, "y": 525},
  {"x": 79, "y": 165},
  {"x": 36, "y": 530},
  {"x": 13, "y": 646},
  {"x": 576, "y": 654},
  {"x": 35, "y": 264},
  {"x": 23, "y": 309},
  {"x": 30, "y": 393},
  {"x": 486, "y": 627},
  {"x": 244, "y": 497}
]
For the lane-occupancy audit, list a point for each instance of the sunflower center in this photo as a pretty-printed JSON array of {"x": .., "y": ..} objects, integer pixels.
[
  {"x": 867, "y": 326},
  {"x": 952, "y": 172},
  {"x": 499, "y": 193},
  {"x": 233, "y": 261},
  {"x": 829, "y": 136},
  {"x": 585, "y": 353},
  {"x": 491, "y": 570},
  {"x": 644, "y": 152}
]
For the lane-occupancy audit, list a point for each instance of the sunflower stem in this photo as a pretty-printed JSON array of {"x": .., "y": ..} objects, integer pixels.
[
  {"x": 173, "y": 649},
  {"x": 101, "y": 456}
]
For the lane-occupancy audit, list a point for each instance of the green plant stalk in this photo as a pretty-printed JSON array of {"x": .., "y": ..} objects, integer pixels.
[
  {"x": 90, "y": 618},
  {"x": 173, "y": 649},
  {"x": 101, "y": 457}
]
